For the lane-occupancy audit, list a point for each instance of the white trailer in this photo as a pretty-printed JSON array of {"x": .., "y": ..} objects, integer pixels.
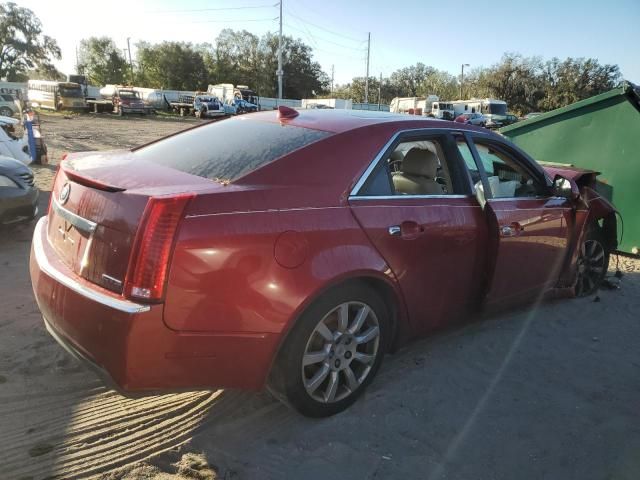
[
  {"x": 442, "y": 110},
  {"x": 493, "y": 109},
  {"x": 339, "y": 103},
  {"x": 224, "y": 91},
  {"x": 413, "y": 105},
  {"x": 266, "y": 103}
]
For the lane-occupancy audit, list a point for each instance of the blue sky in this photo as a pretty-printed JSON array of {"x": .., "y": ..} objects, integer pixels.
[{"x": 403, "y": 32}]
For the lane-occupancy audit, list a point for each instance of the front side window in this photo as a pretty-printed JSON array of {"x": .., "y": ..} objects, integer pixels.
[
  {"x": 467, "y": 156},
  {"x": 506, "y": 178}
]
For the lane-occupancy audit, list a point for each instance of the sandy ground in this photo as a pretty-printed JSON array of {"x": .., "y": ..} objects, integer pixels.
[{"x": 549, "y": 392}]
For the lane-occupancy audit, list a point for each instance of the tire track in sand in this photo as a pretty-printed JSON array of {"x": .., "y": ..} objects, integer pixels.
[{"x": 58, "y": 435}]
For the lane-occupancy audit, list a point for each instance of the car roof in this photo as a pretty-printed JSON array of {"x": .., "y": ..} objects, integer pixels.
[{"x": 341, "y": 120}]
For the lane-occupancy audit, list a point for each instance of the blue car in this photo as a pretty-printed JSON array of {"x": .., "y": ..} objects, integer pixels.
[{"x": 207, "y": 106}]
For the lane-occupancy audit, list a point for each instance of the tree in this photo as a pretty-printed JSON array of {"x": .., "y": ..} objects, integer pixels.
[
  {"x": 243, "y": 58},
  {"x": 22, "y": 44},
  {"x": 575, "y": 79},
  {"x": 407, "y": 81},
  {"x": 171, "y": 65},
  {"x": 43, "y": 73},
  {"x": 101, "y": 61},
  {"x": 440, "y": 83}
]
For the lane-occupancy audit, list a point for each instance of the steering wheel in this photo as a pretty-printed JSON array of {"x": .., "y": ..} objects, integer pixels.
[{"x": 395, "y": 166}]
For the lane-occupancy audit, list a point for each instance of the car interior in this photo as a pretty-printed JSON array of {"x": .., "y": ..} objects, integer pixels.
[
  {"x": 417, "y": 168},
  {"x": 506, "y": 179}
]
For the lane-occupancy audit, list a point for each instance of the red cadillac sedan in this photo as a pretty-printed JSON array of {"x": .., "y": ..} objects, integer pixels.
[{"x": 293, "y": 249}]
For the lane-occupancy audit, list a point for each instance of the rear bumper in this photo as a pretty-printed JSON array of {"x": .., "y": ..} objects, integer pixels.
[
  {"x": 144, "y": 110},
  {"x": 129, "y": 345},
  {"x": 20, "y": 206}
]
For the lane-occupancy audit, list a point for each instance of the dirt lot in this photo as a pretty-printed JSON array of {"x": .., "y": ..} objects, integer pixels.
[{"x": 550, "y": 392}]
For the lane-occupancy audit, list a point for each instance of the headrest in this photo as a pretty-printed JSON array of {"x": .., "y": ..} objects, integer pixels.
[
  {"x": 396, "y": 155},
  {"x": 423, "y": 163}
]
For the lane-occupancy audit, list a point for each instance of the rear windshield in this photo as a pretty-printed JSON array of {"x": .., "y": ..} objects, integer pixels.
[{"x": 228, "y": 149}]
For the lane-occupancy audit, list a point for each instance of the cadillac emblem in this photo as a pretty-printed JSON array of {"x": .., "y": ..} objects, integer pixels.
[{"x": 64, "y": 193}]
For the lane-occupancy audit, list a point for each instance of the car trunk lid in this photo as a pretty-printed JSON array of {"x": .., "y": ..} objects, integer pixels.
[{"x": 97, "y": 204}]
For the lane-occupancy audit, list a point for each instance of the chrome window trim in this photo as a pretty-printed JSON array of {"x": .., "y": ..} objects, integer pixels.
[
  {"x": 408, "y": 197},
  {"x": 46, "y": 267},
  {"x": 374, "y": 163},
  {"x": 510, "y": 199},
  {"x": 76, "y": 220}
]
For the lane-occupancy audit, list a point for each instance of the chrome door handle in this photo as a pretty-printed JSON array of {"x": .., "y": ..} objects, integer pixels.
[
  {"x": 395, "y": 230},
  {"x": 511, "y": 230},
  {"x": 506, "y": 231}
]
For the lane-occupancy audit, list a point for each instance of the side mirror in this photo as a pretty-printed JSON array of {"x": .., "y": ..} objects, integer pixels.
[{"x": 566, "y": 188}]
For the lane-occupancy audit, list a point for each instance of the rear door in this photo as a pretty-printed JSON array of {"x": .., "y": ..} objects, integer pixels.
[
  {"x": 429, "y": 228},
  {"x": 528, "y": 228}
]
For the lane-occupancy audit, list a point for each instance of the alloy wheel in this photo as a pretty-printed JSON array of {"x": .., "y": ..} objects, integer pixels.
[
  {"x": 591, "y": 267},
  {"x": 340, "y": 352}
]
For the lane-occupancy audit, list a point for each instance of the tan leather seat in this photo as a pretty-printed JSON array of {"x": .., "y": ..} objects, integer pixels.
[{"x": 419, "y": 170}]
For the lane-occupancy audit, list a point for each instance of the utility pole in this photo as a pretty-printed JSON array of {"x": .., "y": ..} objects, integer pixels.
[
  {"x": 366, "y": 82},
  {"x": 78, "y": 61},
  {"x": 462, "y": 78},
  {"x": 332, "y": 72},
  {"x": 379, "y": 91},
  {"x": 280, "y": 72},
  {"x": 130, "y": 62}
]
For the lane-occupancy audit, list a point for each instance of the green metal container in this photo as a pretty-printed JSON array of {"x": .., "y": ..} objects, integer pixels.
[{"x": 600, "y": 133}]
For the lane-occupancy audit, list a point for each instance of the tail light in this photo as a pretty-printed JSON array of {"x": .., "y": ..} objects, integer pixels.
[{"x": 153, "y": 246}]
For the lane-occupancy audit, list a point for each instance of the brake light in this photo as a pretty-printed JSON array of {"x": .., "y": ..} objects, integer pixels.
[{"x": 153, "y": 246}]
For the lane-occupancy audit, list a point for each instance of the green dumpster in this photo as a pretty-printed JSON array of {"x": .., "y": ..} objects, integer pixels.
[{"x": 600, "y": 133}]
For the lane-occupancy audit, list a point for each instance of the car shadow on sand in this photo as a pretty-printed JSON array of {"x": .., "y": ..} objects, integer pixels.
[{"x": 549, "y": 390}]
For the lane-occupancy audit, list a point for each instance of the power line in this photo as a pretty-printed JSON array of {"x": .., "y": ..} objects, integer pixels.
[
  {"x": 228, "y": 21},
  {"x": 249, "y": 7},
  {"x": 331, "y": 52},
  {"x": 357, "y": 49},
  {"x": 326, "y": 29}
]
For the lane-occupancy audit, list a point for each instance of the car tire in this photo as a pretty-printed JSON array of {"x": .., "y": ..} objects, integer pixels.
[
  {"x": 325, "y": 363},
  {"x": 592, "y": 263},
  {"x": 6, "y": 112}
]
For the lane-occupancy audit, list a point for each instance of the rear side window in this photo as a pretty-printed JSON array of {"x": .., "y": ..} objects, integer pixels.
[{"x": 228, "y": 149}]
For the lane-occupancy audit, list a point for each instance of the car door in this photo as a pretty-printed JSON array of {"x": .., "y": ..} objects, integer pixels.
[
  {"x": 527, "y": 225},
  {"x": 433, "y": 241}
]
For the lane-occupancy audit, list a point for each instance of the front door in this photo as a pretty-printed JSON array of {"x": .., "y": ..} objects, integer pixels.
[
  {"x": 418, "y": 211},
  {"x": 528, "y": 231}
]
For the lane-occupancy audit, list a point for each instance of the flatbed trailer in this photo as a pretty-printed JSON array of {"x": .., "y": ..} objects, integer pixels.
[
  {"x": 100, "y": 106},
  {"x": 183, "y": 108}
]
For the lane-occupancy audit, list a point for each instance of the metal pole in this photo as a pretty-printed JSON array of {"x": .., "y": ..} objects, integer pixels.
[
  {"x": 462, "y": 78},
  {"x": 379, "y": 90},
  {"x": 366, "y": 82},
  {"x": 279, "y": 72},
  {"x": 130, "y": 62},
  {"x": 332, "y": 72}
]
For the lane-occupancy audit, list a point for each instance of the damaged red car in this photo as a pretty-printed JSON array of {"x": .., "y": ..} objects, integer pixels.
[{"x": 291, "y": 250}]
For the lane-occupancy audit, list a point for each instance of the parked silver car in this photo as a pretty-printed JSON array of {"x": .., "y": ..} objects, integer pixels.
[
  {"x": 9, "y": 105},
  {"x": 472, "y": 119},
  {"x": 18, "y": 193}
]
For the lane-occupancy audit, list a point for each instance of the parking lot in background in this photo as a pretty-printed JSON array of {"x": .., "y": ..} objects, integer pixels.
[{"x": 546, "y": 392}]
